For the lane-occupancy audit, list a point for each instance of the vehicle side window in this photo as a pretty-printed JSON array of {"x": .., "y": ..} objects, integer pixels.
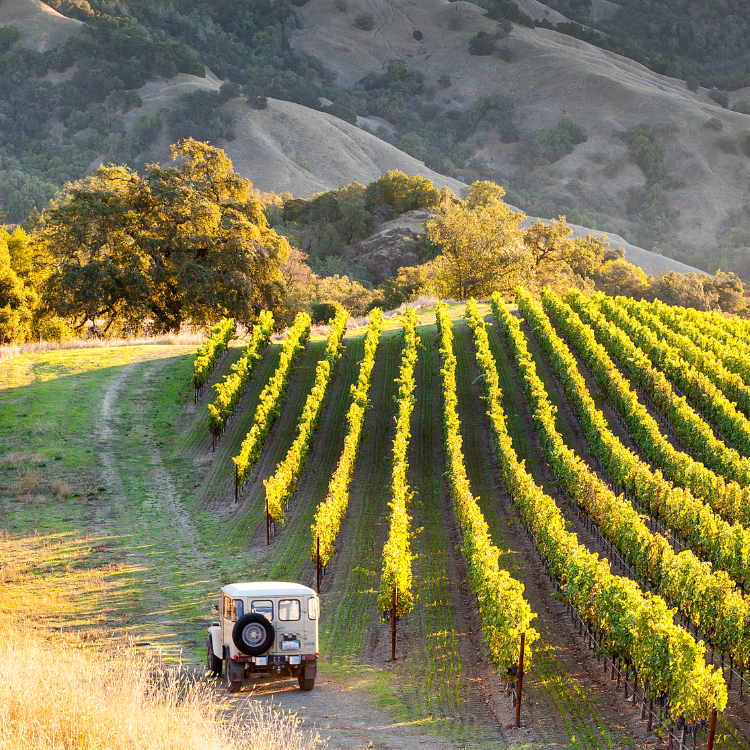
[
  {"x": 239, "y": 609},
  {"x": 263, "y": 607},
  {"x": 227, "y": 608},
  {"x": 289, "y": 609},
  {"x": 312, "y": 608}
]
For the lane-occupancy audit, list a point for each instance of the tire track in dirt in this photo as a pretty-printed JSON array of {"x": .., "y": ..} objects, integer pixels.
[{"x": 145, "y": 516}]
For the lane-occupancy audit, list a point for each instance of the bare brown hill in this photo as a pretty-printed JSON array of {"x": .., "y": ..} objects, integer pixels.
[
  {"x": 42, "y": 28},
  {"x": 552, "y": 76},
  {"x": 288, "y": 147}
]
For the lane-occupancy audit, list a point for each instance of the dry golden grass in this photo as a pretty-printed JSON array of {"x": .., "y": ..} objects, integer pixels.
[
  {"x": 56, "y": 695},
  {"x": 173, "y": 339},
  {"x": 46, "y": 580},
  {"x": 62, "y": 490},
  {"x": 27, "y": 482}
]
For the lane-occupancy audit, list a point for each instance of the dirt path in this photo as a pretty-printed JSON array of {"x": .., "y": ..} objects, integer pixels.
[{"x": 146, "y": 519}]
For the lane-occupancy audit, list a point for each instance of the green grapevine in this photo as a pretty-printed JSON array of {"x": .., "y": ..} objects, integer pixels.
[
  {"x": 635, "y": 627},
  {"x": 692, "y": 431},
  {"x": 711, "y": 365},
  {"x": 331, "y": 512},
  {"x": 709, "y": 598},
  {"x": 683, "y": 372},
  {"x": 704, "y": 334},
  {"x": 280, "y": 486},
  {"x": 505, "y": 613},
  {"x": 230, "y": 389},
  {"x": 727, "y": 498},
  {"x": 397, "y": 554},
  {"x": 703, "y": 530},
  {"x": 270, "y": 398},
  {"x": 205, "y": 359}
]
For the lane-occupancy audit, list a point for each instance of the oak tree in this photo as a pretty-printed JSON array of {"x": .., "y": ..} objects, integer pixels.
[
  {"x": 482, "y": 249},
  {"x": 188, "y": 242}
]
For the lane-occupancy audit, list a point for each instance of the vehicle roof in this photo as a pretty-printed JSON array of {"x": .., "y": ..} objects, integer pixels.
[{"x": 267, "y": 588}]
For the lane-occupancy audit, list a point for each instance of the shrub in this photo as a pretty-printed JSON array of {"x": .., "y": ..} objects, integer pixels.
[
  {"x": 713, "y": 124},
  {"x": 322, "y": 312},
  {"x": 9, "y": 35},
  {"x": 647, "y": 153},
  {"x": 418, "y": 35},
  {"x": 482, "y": 44},
  {"x": 341, "y": 6},
  {"x": 742, "y": 106},
  {"x": 365, "y": 22},
  {"x": 445, "y": 81},
  {"x": 145, "y": 131},
  {"x": 257, "y": 101},
  {"x": 55, "y": 329},
  {"x": 229, "y": 90},
  {"x": 548, "y": 146},
  {"x": 402, "y": 193},
  {"x": 727, "y": 144},
  {"x": 720, "y": 97}
]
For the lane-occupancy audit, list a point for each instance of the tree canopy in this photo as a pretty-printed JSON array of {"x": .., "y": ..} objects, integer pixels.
[
  {"x": 188, "y": 242},
  {"x": 482, "y": 245}
]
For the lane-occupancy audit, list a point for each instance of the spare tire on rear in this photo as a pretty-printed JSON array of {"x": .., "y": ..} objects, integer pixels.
[{"x": 253, "y": 634}]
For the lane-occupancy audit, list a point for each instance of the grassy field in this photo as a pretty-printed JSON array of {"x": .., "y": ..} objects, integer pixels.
[{"x": 119, "y": 524}]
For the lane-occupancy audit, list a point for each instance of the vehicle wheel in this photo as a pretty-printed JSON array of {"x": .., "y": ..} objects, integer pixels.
[
  {"x": 304, "y": 684},
  {"x": 213, "y": 663},
  {"x": 253, "y": 634},
  {"x": 232, "y": 687}
]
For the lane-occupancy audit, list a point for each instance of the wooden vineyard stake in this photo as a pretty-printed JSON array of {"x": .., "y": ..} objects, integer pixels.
[
  {"x": 519, "y": 684},
  {"x": 711, "y": 731},
  {"x": 236, "y": 484},
  {"x": 268, "y": 526},
  {"x": 393, "y": 626},
  {"x": 213, "y": 440},
  {"x": 317, "y": 541}
]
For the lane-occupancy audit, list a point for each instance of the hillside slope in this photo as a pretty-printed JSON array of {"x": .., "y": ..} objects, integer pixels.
[
  {"x": 553, "y": 76},
  {"x": 272, "y": 144},
  {"x": 42, "y": 27}
]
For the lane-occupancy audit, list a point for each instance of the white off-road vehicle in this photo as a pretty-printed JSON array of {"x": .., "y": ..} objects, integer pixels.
[{"x": 264, "y": 629}]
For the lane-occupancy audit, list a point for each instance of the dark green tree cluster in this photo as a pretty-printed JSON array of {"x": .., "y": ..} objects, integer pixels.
[
  {"x": 120, "y": 48},
  {"x": 548, "y": 146},
  {"x": 650, "y": 206},
  {"x": 425, "y": 129},
  {"x": 321, "y": 226}
]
